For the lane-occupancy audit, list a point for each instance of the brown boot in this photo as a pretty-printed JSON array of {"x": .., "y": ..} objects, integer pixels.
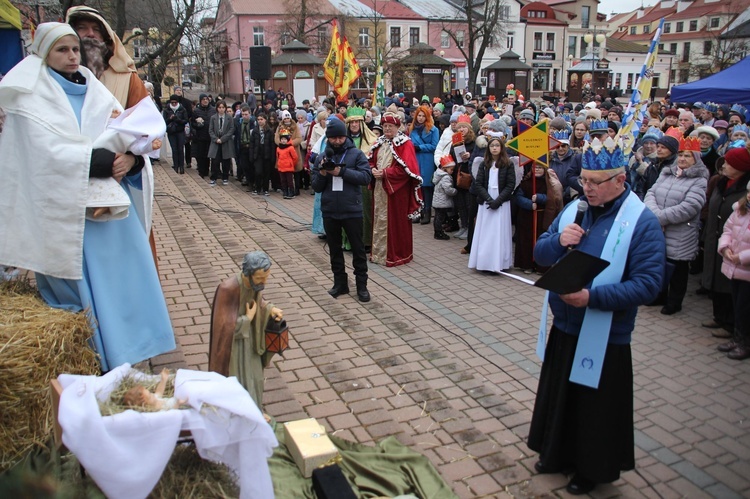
[
  {"x": 740, "y": 352},
  {"x": 727, "y": 347}
]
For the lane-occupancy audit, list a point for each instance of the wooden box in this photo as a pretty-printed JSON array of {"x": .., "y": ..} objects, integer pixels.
[{"x": 308, "y": 444}]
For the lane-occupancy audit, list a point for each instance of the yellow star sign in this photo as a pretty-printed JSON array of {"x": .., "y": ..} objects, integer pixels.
[{"x": 533, "y": 143}]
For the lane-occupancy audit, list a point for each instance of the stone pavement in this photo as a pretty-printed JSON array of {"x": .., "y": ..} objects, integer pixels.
[{"x": 442, "y": 357}]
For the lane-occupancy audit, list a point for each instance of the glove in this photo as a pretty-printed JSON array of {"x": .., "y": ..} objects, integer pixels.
[{"x": 496, "y": 203}]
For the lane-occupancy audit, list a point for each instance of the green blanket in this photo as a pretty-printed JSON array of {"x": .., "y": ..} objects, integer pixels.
[{"x": 389, "y": 469}]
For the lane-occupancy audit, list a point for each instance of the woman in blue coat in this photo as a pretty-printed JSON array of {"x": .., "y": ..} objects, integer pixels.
[{"x": 425, "y": 136}]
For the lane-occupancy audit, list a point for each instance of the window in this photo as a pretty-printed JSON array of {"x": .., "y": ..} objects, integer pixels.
[
  {"x": 139, "y": 48},
  {"x": 667, "y": 27},
  {"x": 684, "y": 75},
  {"x": 367, "y": 80},
  {"x": 661, "y": 47},
  {"x": 285, "y": 38},
  {"x": 322, "y": 36},
  {"x": 396, "y": 36},
  {"x": 693, "y": 25},
  {"x": 259, "y": 38},
  {"x": 504, "y": 12},
  {"x": 538, "y": 13},
  {"x": 585, "y": 16},
  {"x": 584, "y": 46},
  {"x": 510, "y": 39},
  {"x": 364, "y": 37},
  {"x": 707, "y": 46},
  {"x": 445, "y": 40},
  {"x": 538, "y": 42},
  {"x": 460, "y": 39},
  {"x": 618, "y": 80},
  {"x": 680, "y": 27},
  {"x": 672, "y": 74},
  {"x": 630, "y": 80},
  {"x": 647, "y": 28},
  {"x": 686, "y": 52},
  {"x": 714, "y": 22},
  {"x": 413, "y": 36},
  {"x": 572, "y": 41},
  {"x": 672, "y": 48},
  {"x": 550, "y": 42},
  {"x": 633, "y": 30}
]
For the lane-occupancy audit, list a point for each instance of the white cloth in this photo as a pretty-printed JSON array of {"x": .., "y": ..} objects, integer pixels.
[
  {"x": 492, "y": 247},
  {"x": 126, "y": 454},
  {"x": 43, "y": 208}
]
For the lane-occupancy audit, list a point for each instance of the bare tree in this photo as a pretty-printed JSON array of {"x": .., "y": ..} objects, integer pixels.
[
  {"x": 301, "y": 21},
  {"x": 485, "y": 23},
  {"x": 716, "y": 53}
]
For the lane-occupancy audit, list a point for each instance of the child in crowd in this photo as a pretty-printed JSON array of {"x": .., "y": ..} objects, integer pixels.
[
  {"x": 286, "y": 159},
  {"x": 442, "y": 199}
]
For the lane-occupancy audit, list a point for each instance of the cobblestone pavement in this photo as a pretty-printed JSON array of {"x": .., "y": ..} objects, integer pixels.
[{"x": 442, "y": 357}]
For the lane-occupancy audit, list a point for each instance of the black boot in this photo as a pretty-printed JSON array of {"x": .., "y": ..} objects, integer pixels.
[
  {"x": 286, "y": 194},
  {"x": 442, "y": 236},
  {"x": 362, "y": 293},
  {"x": 340, "y": 286},
  {"x": 182, "y": 170},
  {"x": 426, "y": 216}
]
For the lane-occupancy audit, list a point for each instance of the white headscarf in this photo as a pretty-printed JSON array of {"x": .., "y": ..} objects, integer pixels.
[{"x": 47, "y": 34}]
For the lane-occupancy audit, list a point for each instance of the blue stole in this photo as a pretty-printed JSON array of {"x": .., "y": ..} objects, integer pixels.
[{"x": 594, "y": 335}]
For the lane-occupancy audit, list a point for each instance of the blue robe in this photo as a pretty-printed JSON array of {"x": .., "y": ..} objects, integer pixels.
[{"x": 120, "y": 289}]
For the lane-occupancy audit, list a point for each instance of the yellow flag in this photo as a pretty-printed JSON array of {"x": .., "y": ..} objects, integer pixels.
[
  {"x": 332, "y": 64},
  {"x": 349, "y": 71}
]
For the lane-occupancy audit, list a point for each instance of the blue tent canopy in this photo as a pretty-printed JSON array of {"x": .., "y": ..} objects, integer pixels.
[{"x": 731, "y": 86}]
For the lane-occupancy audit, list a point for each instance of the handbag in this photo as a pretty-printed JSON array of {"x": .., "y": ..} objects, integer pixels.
[{"x": 463, "y": 180}]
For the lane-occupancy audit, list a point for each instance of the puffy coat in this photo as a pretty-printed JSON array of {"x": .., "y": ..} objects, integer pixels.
[
  {"x": 296, "y": 141},
  {"x": 720, "y": 205},
  {"x": 356, "y": 172},
  {"x": 736, "y": 237},
  {"x": 506, "y": 181},
  {"x": 677, "y": 201},
  {"x": 444, "y": 190},
  {"x": 425, "y": 144},
  {"x": 641, "y": 279},
  {"x": 176, "y": 119}
]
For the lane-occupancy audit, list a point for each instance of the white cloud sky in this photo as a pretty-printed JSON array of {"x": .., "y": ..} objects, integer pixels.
[{"x": 618, "y": 6}]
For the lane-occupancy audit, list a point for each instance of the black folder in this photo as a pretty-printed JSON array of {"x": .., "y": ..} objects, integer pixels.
[{"x": 572, "y": 273}]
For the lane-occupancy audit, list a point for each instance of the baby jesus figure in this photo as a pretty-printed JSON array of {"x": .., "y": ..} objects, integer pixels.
[{"x": 140, "y": 397}]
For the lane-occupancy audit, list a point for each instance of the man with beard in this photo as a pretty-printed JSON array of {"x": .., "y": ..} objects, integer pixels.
[{"x": 239, "y": 318}]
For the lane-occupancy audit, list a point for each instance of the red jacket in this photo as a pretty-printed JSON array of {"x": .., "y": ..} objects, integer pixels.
[{"x": 286, "y": 158}]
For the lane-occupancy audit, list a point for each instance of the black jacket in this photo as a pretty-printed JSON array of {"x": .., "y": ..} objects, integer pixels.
[
  {"x": 175, "y": 119},
  {"x": 355, "y": 173},
  {"x": 265, "y": 151},
  {"x": 506, "y": 177},
  {"x": 200, "y": 131}
]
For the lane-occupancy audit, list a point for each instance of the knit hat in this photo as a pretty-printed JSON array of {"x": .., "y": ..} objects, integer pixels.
[
  {"x": 653, "y": 134},
  {"x": 549, "y": 112},
  {"x": 672, "y": 112},
  {"x": 738, "y": 158},
  {"x": 613, "y": 125},
  {"x": 286, "y": 114},
  {"x": 455, "y": 116},
  {"x": 335, "y": 128},
  {"x": 498, "y": 125},
  {"x": 708, "y": 130},
  {"x": 174, "y": 97},
  {"x": 526, "y": 114},
  {"x": 47, "y": 34},
  {"x": 590, "y": 105},
  {"x": 559, "y": 123},
  {"x": 594, "y": 113},
  {"x": 201, "y": 97},
  {"x": 670, "y": 143}
]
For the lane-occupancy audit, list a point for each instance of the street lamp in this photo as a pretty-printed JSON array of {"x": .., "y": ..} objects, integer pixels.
[{"x": 589, "y": 38}]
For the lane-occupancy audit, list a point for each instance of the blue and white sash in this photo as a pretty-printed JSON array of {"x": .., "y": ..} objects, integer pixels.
[{"x": 594, "y": 335}]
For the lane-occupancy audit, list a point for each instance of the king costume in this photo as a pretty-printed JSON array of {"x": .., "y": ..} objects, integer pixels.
[
  {"x": 397, "y": 199},
  {"x": 581, "y": 423}
]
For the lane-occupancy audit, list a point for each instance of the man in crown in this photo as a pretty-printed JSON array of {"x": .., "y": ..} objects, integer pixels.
[
  {"x": 397, "y": 194},
  {"x": 583, "y": 414}
]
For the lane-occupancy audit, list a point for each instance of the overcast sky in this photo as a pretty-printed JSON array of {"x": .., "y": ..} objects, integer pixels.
[{"x": 619, "y": 6}]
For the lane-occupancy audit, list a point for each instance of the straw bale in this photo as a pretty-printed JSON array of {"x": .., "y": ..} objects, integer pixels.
[{"x": 37, "y": 343}]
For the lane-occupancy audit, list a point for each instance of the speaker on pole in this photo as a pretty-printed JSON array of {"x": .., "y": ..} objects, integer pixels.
[{"x": 260, "y": 63}]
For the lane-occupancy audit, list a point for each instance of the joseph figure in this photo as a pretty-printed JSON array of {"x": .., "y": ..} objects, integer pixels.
[{"x": 238, "y": 322}]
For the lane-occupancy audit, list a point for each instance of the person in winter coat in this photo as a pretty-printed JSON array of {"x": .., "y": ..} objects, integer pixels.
[
  {"x": 676, "y": 199},
  {"x": 463, "y": 200},
  {"x": 566, "y": 164},
  {"x": 176, "y": 117},
  {"x": 734, "y": 247},
  {"x": 286, "y": 159},
  {"x": 442, "y": 199},
  {"x": 221, "y": 150},
  {"x": 425, "y": 136},
  {"x": 642, "y": 170},
  {"x": 296, "y": 138},
  {"x": 200, "y": 122},
  {"x": 263, "y": 150},
  {"x": 729, "y": 189},
  {"x": 666, "y": 155}
]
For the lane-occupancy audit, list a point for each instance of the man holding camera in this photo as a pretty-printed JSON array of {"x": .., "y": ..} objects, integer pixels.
[{"x": 338, "y": 174}]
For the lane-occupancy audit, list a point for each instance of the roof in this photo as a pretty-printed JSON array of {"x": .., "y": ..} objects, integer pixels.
[
  {"x": 295, "y": 52},
  {"x": 741, "y": 31},
  {"x": 421, "y": 54},
  {"x": 615, "y": 45},
  {"x": 352, "y": 8},
  {"x": 254, "y": 7},
  {"x": 434, "y": 9},
  {"x": 509, "y": 60},
  {"x": 540, "y": 7},
  {"x": 392, "y": 9}
]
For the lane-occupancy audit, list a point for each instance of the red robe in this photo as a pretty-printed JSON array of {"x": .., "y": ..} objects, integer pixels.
[{"x": 392, "y": 228}]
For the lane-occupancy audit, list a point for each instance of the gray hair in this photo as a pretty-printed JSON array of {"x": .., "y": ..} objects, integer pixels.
[
  {"x": 301, "y": 112},
  {"x": 255, "y": 260}
]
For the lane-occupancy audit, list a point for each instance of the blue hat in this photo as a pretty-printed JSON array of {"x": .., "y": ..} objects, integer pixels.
[
  {"x": 741, "y": 128},
  {"x": 562, "y": 136},
  {"x": 335, "y": 128},
  {"x": 711, "y": 107},
  {"x": 603, "y": 155},
  {"x": 599, "y": 126},
  {"x": 738, "y": 108},
  {"x": 653, "y": 133}
]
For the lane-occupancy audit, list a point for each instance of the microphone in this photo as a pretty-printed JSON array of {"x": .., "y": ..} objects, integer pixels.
[
  {"x": 582, "y": 207},
  {"x": 581, "y": 211}
]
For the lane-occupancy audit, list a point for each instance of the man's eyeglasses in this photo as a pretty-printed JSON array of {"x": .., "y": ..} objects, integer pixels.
[{"x": 583, "y": 182}]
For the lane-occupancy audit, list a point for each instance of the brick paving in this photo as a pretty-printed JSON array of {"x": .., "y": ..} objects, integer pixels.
[{"x": 443, "y": 357}]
